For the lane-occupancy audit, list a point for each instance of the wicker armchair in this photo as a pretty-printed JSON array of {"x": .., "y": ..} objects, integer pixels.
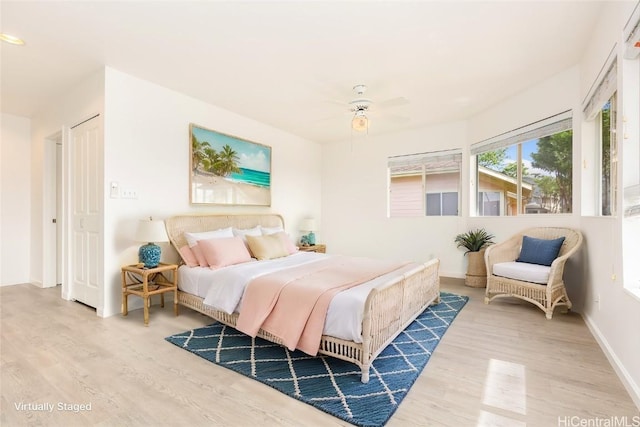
[{"x": 546, "y": 296}]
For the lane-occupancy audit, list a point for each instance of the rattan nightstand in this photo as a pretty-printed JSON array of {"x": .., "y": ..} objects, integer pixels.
[
  {"x": 314, "y": 248},
  {"x": 145, "y": 282}
]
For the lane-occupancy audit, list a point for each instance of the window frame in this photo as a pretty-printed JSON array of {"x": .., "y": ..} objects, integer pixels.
[
  {"x": 516, "y": 138},
  {"x": 612, "y": 187},
  {"x": 433, "y": 163}
]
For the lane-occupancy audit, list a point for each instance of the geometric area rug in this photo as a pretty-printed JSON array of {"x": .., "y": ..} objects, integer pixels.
[{"x": 330, "y": 384}]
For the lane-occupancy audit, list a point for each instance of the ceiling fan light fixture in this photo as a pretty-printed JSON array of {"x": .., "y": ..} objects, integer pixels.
[{"x": 360, "y": 121}]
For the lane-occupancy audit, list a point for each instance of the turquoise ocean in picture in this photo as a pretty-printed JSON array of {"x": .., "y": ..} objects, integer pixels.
[{"x": 253, "y": 177}]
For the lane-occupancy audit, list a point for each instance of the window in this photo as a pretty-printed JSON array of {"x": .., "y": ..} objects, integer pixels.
[
  {"x": 489, "y": 203},
  {"x": 608, "y": 157},
  {"x": 526, "y": 171},
  {"x": 439, "y": 204},
  {"x": 425, "y": 184},
  {"x": 601, "y": 108}
]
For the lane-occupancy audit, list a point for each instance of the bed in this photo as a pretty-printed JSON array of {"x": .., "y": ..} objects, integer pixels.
[{"x": 389, "y": 306}]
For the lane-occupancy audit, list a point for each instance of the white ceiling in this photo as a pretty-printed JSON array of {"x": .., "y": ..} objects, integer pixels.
[{"x": 293, "y": 64}]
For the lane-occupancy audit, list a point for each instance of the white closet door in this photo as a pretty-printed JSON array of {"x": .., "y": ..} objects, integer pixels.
[{"x": 86, "y": 212}]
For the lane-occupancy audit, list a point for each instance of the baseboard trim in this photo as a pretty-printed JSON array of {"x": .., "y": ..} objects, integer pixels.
[{"x": 629, "y": 384}]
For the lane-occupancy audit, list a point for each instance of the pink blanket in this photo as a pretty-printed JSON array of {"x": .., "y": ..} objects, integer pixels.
[{"x": 292, "y": 304}]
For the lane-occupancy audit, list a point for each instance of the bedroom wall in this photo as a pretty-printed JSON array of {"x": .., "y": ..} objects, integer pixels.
[
  {"x": 611, "y": 312},
  {"x": 354, "y": 191},
  {"x": 147, "y": 150},
  {"x": 354, "y": 199},
  {"x": 15, "y": 207}
]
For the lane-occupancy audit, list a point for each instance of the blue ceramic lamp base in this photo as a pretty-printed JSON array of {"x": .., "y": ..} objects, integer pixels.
[
  {"x": 149, "y": 255},
  {"x": 308, "y": 239}
]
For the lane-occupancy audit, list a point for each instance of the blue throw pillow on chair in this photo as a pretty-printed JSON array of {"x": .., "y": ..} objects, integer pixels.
[{"x": 539, "y": 251}]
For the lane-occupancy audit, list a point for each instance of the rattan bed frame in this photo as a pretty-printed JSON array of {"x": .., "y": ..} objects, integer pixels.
[{"x": 388, "y": 310}]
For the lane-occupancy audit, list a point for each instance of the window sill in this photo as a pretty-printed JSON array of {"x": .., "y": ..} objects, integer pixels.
[{"x": 634, "y": 292}]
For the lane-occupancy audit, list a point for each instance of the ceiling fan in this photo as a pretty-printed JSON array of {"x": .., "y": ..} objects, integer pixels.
[{"x": 361, "y": 108}]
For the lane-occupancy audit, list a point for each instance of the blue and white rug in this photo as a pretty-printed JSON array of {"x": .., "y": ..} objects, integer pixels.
[{"x": 327, "y": 383}]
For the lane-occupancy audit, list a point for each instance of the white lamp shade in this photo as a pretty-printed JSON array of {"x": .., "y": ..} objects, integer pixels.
[
  {"x": 308, "y": 224},
  {"x": 151, "y": 231}
]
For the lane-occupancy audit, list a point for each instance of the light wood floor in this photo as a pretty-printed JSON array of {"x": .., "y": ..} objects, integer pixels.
[{"x": 502, "y": 364}]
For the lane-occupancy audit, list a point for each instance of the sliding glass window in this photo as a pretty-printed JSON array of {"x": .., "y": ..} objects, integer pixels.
[{"x": 526, "y": 171}]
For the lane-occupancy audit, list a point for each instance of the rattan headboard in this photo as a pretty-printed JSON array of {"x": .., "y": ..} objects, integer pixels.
[{"x": 177, "y": 225}]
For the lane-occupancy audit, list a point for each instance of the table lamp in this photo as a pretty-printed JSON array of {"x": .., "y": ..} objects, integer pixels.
[
  {"x": 150, "y": 230},
  {"x": 308, "y": 224}
]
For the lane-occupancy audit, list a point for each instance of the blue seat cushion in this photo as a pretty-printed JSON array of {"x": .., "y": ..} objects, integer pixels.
[{"x": 539, "y": 251}]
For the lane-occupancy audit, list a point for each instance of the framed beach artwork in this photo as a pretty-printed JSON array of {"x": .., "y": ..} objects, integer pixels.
[{"x": 227, "y": 170}]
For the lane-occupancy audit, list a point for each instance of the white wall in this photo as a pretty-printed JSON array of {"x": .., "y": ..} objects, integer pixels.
[
  {"x": 147, "y": 149},
  {"x": 612, "y": 313},
  {"x": 354, "y": 200},
  {"x": 15, "y": 204}
]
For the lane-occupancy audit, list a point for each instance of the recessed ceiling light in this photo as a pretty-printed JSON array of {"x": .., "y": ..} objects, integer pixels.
[{"x": 11, "y": 39}]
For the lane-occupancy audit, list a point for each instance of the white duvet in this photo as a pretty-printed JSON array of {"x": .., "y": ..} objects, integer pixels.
[{"x": 223, "y": 289}]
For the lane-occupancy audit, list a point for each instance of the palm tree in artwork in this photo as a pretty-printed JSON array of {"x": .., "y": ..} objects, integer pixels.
[
  {"x": 227, "y": 162},
  {"x": 198, "y": 153},
  {"x": 210, "y": 160}
]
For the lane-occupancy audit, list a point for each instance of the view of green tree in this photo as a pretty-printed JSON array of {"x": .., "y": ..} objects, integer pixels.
[
  {"x": 606, "y": 158},
  {"x": 493, "y": 159},
  {"x": 554, "y": 156},
  {"x": 548, "y": 192},
  {"x": 496, "y": 160},
  {"x": 511, "y": 169}
]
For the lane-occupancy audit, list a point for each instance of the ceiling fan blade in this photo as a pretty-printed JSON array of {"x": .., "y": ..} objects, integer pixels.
[
  {"x": 389, "y": 118},
  {"x": 396, "y": 119},
  {"x": 333, "y": 117},
  {"x": 393, "y": 102},
  {"x": 336, "y": 102}
]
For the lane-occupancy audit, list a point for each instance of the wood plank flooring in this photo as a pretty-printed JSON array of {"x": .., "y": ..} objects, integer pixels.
[{"x": 497, "y": 365}]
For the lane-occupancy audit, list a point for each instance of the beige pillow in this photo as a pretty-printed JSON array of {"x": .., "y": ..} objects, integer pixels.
[{"x": 267, "y": 247}]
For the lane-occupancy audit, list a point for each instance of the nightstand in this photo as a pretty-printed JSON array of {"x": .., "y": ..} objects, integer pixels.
[
  {"x": 145, "y": 282},
  {"x": 314, "y": 248}
]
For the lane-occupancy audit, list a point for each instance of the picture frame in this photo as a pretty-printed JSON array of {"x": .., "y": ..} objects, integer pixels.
[{"x": 227, "y": 170}]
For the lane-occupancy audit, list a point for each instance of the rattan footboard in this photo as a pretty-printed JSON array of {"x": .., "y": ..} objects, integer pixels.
[{"x": 388, "y": 311}]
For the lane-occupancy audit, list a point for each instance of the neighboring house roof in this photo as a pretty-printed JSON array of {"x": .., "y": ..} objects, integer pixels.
[{"x": 502, "y": 177}]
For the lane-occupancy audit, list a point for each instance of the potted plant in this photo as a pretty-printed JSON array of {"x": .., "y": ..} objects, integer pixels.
[{"x": 475, "y": 242}]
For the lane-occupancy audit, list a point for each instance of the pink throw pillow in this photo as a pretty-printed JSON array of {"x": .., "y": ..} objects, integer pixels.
[
  {"x": 288, "y": 244},
  {"x": 225, "y": 251},
  {"x": 197, "y": 252},
  {"x": 188, "y": 256}
]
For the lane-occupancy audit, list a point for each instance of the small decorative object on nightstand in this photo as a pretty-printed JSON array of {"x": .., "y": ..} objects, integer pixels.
[
  {"x": 150, "y": 231},
  {"x": 145, "y": 282},
  {"x": 308, "y": 224},
  {"x": 314, "y": 248}
]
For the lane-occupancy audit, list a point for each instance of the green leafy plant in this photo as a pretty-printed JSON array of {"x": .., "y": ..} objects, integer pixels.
[{"x": 474, "y": 240}]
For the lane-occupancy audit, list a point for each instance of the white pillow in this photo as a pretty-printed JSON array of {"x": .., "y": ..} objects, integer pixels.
[
  {"x": 192, "y": 238},
  {"x": 240, "y": 232},
  {"x": 271, "y": 230}
]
